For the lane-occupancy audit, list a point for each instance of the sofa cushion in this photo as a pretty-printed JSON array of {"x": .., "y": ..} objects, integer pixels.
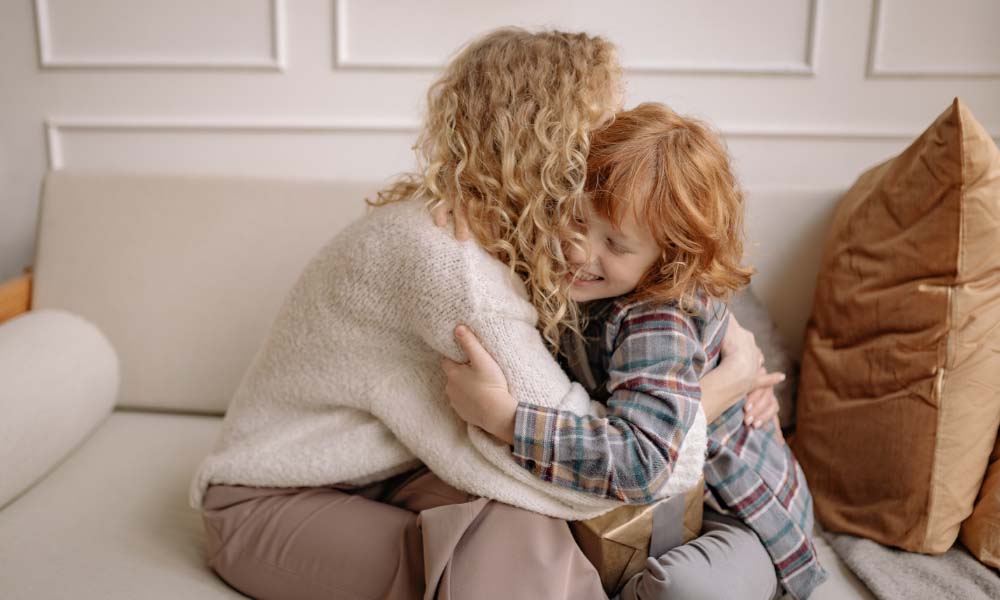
[
  {"x": 60, "y": 378},
  {"x": 183, "y": 273},
  {"x": 113, "y": 521},
  {"x": 899, "y": 398}
]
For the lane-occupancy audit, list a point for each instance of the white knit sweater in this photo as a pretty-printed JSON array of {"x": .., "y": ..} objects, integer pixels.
[{"x": 348, "y": 387}]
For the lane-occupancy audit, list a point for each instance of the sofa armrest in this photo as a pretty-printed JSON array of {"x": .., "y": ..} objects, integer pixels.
[
  {"x": 59, "y": 378},
  {"x": 15, "y": 296}
]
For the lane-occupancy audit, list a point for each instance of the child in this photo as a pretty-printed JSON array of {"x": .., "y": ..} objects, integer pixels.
[{"x": 658, "y": 254}]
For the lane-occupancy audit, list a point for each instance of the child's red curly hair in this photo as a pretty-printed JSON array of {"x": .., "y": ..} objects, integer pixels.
[{"x": 675, "y": 173}]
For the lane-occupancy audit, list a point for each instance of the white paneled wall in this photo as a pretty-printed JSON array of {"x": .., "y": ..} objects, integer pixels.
[
  {"x": 807, "y": 92},
  {"x": 655, "y": 36},
  {"x": 918, "y": 38},
  {"x": 156, "y": 33}
]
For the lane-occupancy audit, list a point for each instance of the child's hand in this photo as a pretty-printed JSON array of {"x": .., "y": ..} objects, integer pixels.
[
  {"x": 441, "y": 214},
  {"x": 477, "y": 390},
  {"x": 761, "y": 404}
]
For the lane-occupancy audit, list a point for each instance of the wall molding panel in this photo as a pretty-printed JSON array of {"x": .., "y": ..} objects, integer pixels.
[
  {"x": 806, "y": 67},
  {"x": 376, "y": 149},
  {"x": 880, "y": 67},
  {"x": 55, "y": 127},
  {"x": 275, "y": 60},
  {"x": 346, "y": 149}
]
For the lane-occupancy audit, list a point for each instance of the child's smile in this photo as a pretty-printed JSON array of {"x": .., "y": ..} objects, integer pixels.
[{"x": 619, "y": 258}]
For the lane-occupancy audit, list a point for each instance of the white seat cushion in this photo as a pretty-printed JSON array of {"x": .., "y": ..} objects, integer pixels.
[{"x": 112, "y": 521}]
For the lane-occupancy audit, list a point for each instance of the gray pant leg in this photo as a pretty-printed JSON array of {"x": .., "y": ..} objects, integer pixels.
[{"x": 727, "y": 561}]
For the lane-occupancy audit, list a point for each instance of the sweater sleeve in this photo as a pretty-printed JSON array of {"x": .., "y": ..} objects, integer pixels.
[
  {"x": 655, "y": 397},
  {"x": 461, "y": 284}
]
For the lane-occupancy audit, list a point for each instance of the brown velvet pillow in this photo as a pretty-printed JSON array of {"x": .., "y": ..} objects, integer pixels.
[{"x": 899, "y": 397}]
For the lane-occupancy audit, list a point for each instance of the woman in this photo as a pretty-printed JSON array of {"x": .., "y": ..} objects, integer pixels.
[{"x": 311, "y": 490}]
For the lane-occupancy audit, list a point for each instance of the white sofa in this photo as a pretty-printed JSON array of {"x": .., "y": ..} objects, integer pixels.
[{"x": 150, "y": 295}]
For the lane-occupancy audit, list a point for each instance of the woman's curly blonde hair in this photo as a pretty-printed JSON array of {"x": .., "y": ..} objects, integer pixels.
[{"x": 505, "y": 140}]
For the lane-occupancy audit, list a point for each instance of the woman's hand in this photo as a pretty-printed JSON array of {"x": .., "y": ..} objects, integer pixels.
[
  {"x": 777, "y": 430},
  {"x": 477, "y": 390},
  {"x": 738, "y": 374},
  {"x": 761, "y": 404},
  {"x": 740, "y": 356},
  {"x": 445, "y": 210}
]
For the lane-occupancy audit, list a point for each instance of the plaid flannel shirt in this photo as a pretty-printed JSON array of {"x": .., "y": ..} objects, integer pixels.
[{"x": 645, "y": 360}]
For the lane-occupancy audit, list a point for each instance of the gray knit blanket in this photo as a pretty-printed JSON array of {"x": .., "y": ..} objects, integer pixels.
[{"x": 893, "y": 574}]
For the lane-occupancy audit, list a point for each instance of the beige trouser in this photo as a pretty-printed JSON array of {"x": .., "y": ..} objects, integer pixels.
[{"x": 411, "y": 536}]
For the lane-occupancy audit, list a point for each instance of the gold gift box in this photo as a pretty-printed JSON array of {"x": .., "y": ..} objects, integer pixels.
[{"x": 619, "y": 541}]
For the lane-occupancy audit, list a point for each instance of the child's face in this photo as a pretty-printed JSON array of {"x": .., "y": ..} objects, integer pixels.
[{"x": 618, "y": 258}]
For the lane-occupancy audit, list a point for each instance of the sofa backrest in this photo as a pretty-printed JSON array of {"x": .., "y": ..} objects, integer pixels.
[{"x": 184, "y": 274}]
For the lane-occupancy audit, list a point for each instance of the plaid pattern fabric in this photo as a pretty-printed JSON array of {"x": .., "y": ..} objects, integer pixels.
[
  {"x": 646, "y": 359},
  {"x": 652, "y": 378}
]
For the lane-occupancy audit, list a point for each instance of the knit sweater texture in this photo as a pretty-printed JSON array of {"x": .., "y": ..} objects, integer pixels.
[{"x": 348, "y": 389}]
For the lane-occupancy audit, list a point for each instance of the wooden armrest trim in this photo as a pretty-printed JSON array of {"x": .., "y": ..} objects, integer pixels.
[{"x": 15, "y": 296}]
